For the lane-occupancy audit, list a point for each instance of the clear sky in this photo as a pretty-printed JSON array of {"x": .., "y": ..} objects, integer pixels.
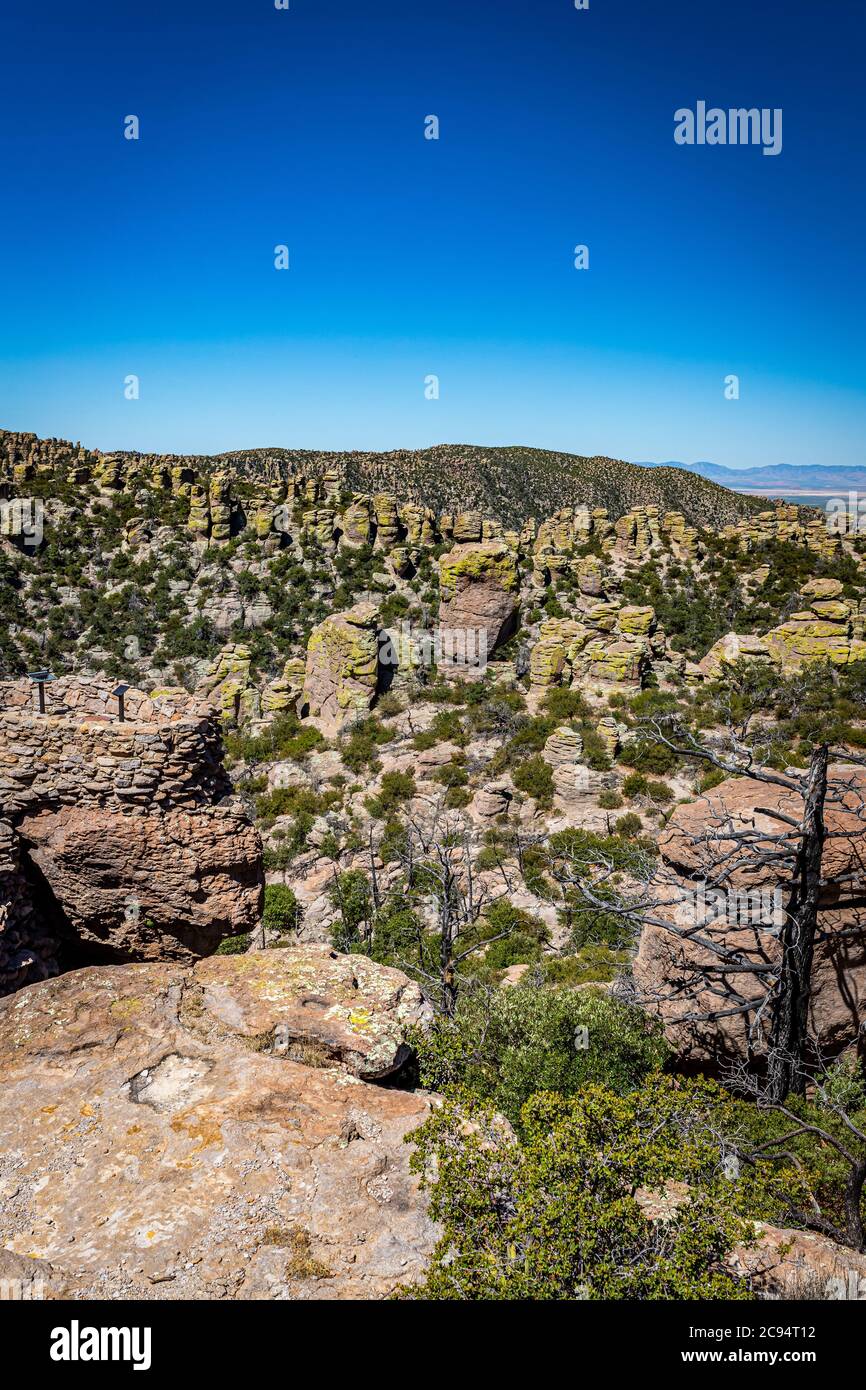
[{"x": 412, "y": 257}]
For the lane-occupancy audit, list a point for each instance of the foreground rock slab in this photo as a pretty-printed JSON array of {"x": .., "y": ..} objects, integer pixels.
[
  {"x": 318, "y": 1003},
  {"x": 153, "y": 1145}
]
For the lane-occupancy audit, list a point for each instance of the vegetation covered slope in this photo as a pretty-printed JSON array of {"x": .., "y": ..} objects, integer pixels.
[{"x": 511, "y": 484}]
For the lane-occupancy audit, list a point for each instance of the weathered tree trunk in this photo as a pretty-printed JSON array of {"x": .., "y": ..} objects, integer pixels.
[
  {"x": 449, "y": 989},
  {"x": 854, "y": 1207},
  {"x": 788, "y": 1035}
]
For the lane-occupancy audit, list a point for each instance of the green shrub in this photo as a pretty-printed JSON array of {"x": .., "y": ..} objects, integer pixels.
[
  {"x": 395, "y": 789},
  {"x": 659, "y": 792},
  {"x": 286, "y": 739},
  {"x": 359, "y": 751},
  {"x": 233, "y": 945},
  {"x": 635, "y": 784},
  {"x": 535, "y": 778},
  {"x": 282, "y": 911},
  {"x": 555, "y": 1217},
  {"x": 526, "y": 1039},
  {"x": 563, "y": 703},
  {"x": 352, "y": 896},
  {"x": 711, "y": 779},
  {"x": 609, "y": 800},
  {"x": 628, "y": 826},
  {"x": 647, "y": 755}
]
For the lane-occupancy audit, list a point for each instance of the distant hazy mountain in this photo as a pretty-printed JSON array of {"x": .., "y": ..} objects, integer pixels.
[{"x": 777, "y": 477}]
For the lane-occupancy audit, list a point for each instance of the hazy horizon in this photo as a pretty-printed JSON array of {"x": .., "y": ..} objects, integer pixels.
[{"x": 410, "y": 257}]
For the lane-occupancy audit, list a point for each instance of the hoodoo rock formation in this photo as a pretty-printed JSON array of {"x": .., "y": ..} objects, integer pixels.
[
  {"x": 479, "y": 589},
  {"x": 119, "y": 839},
  {"x": 342, "y": 667}
]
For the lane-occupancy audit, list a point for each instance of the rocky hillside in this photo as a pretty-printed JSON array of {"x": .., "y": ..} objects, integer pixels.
[
  {"x": 383, "y": 771},
  {"x": 511, "y": 484}
]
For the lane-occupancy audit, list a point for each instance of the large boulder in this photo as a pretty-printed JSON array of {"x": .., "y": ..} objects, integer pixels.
[
  {"x": 479, "y": 590},
  {"x": 153, "y": 1144},
  {"x": 731, "y": 649},
  {"x": 791, "y": 1264},
  {"x": 342, "y": 667},
  {"x": 147, "y": 886},
  {"x": 666, "y": 967},
  {"x": 311, "y": 999}
]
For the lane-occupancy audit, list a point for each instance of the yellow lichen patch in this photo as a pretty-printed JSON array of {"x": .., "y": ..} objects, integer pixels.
[
  {"x": 124, "y": 1008},
  {"x": 202, "y": 1128},
  {"x": 276, "y": 1235}
]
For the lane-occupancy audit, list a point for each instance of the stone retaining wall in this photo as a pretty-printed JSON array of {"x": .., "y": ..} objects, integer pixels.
[
  {"x": 121, "y": 836},
  {"x": 165, "y": 753}
]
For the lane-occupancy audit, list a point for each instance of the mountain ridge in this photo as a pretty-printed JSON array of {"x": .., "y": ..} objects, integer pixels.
[
  {"x": 513, "y": 482},
  {"x": 799, "y": 476}
]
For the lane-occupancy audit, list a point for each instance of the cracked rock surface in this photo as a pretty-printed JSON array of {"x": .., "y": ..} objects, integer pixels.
[{"x": 173, "y": 1131}]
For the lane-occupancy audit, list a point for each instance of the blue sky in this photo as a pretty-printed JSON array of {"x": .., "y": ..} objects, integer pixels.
[{"x": 412, "y": 257}]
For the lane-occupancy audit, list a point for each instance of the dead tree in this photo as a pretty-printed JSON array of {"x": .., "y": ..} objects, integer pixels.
[
  {"x": 437, "y": 862},
  {"x": 846, "y": 1139},
  {"x": 739, "y": 951},
  {"x": 792, "y": 987}
]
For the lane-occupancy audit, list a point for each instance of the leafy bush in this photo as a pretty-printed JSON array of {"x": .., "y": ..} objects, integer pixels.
[
  {"x": 659, "y": 792},
  {"x": 286, "y": 738},
  {"x": 555, "y": 1217},
  {"x": 527, "y": 1039},
  {"x": 535, "y": 778},
  {"x": 352, "y": 896},
  {"x": 282, "y": 911},
  {"x": 395, "y": 789},
  {"x": 628, "y": 826},
  {"x": 360, "y": 748},
  {"x": 233, "y": 945},
  {"x": 646, "y": 754},
  {"x": 457, "y": 797},
  {"x": 609, "y": 800},
  {"x": 635, "y": 784},
  {"x": 563, "y": 703}
]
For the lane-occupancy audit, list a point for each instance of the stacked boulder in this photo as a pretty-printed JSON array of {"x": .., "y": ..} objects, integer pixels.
[
  {"x": 342, "y": 667},
  {"x": 610, "y": 644},
  {"x": 828, "y": 628}
]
